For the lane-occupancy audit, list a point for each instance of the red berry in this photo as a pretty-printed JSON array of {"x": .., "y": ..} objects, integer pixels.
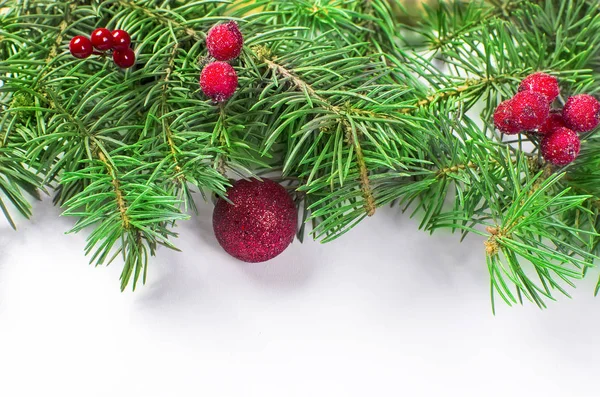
[
  {"x": 225, "y": 41},
  {"x": 124, "y": 59},
  {"x": 582, "y": 112},
  {"x": 561, "y": 147},
  {"x": 218, "y": 81},
  {"x": 81, "y": 47},
  {"x": 121, "y": 40},
  {"x": 259, "y": 223},
  {"x": 530, "y": 109},
  {"x": 541, "y": 83},
  {"x": 554, "y": 121},
  {"x": 505, "y": 120},
  {"x": 102, "y": 39}
]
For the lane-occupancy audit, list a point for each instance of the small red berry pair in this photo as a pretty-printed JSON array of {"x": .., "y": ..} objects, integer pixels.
[
  {"x": 103, "y": 39},
  {"x": 529, "y": 111},
  {"x": 219, "y": 80}
]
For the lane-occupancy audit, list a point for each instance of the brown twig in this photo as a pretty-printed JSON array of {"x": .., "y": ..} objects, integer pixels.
[{"x": 121, "y": 203}]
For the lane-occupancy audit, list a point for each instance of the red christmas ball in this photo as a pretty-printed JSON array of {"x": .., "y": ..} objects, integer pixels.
[
  {"x": 505, "y": 119},
  {"x": 218, "y": 81},
  {"x": 81, "y": 47},
  {"x": 225, "y": 41},
  {"x": 530, "y": 109},
  {"x": 259, "y": 223},
  {"x": 582, "y": 113},
  {"x": 561, "y": 147},
  {"x": 102, "y": 39},
  {"x": 541, "y": 83},
  {"x": 124, "y": 59},
  {"x": 555, "y": 120},
  {"x": 121, "y": 40}
]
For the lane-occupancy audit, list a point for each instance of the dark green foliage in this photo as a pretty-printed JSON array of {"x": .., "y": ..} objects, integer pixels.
[{"x": 356, "y": 109}]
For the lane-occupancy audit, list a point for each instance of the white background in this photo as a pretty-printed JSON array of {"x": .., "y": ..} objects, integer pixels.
[{"x": 385, "y": 311}]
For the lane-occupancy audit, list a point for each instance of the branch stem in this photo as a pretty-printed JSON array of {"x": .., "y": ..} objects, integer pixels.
[
  {"x": 121, "y": 204},
  {"x": 166, "y": 123},
  {"x": 367, "y": 191}
]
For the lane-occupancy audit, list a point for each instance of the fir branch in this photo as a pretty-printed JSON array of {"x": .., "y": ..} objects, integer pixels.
[
  {"x": 62, "y": 27},
  {"x": 180, "y": 177},
  {"x": 221, "y": 138},
  {"x": 448, "y": 93},
  {"x": 334, "y": 94},
  {"x": 163, "y": 19},
  {"x": 350, "y": 131},
  {"x": 121, "y": 205}
]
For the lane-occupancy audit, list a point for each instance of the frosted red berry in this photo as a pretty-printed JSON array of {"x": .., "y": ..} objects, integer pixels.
[
  {"x": 505, "y": 119},
  {"x": 543, "y": 84},
  {"x": 560, "y": 147},
  {"x": 81, "y": 47},
  {"x": 553, "y": 122},
  {"x": 530, "y": 109},
  {"x": 259, "y": 222},
  {"x": 582, "y": 113},
  {"x": 225, "y": 41},
  {"x": 121, "y": 40},
  {"x": 218, "y": 81},
  {"x": 102, "y": 39},
  {"x": 124, "y": 59}
]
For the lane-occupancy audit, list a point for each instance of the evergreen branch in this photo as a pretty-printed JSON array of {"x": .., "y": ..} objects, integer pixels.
[
  {"x": 121, "y": 205},
  {"x": 447, "y": 93},
  {"x": 165, "y": 121},
  {"x": 15, "y": 180},
  {"x": 221, "y": 127},
  {"x": 164, "y": 19},
  {"x": 466, "y": 18},
  {"x": 335, "y": 95},
  {"x": 62, "y": 27},
  {"x": 365, "y": 184},
  {"x": 350, "y": 129}
]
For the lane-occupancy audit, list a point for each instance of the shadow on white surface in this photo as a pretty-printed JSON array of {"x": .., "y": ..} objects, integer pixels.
[{"x": 388, "y": 310}]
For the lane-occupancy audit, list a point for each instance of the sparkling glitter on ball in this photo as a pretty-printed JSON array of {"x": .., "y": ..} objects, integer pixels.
[{"x": 259, "y": 223}]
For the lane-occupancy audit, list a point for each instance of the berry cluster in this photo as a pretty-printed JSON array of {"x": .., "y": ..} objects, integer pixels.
[
  {"x": 218, "y": 79},
  {"x": 103, "y": 40},
  {"x": 529, "y": 111}
]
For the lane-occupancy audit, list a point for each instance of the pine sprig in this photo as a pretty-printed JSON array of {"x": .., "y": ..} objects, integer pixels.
[
  {"x": 123, "y": 211},
  {"x": 358, "y": 110}
]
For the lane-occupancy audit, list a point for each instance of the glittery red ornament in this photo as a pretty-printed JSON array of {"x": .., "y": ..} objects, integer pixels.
[
  {"x": 259, "y": 223},
  {"x": 225, "y": 41},
  {"x": 218, "y": 81},
  {"x": 554, "y": 121},
  {"x": 561, "y": 147},
  {"x": 541, "y": 83},
  {"x": 505, "y": 120},
  {"x": 582, "y": 113},
  {"x": 530, "y": 109}
]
